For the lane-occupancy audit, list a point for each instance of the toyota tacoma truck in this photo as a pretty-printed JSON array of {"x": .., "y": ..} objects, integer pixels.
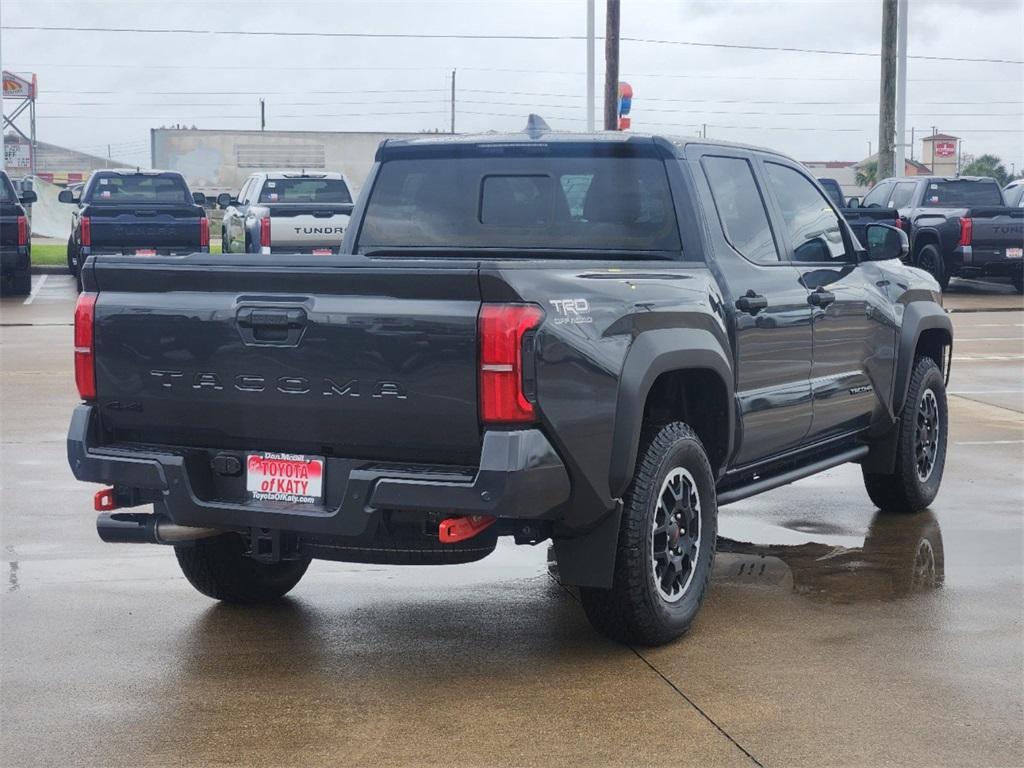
[
  {"x": 593, "y": 339},
  {"x": 287, "y": 213},
  {"x": 958, "y": 226},
  {"x": 15, "y": 239},
  {"x": 135, "y": 212}
]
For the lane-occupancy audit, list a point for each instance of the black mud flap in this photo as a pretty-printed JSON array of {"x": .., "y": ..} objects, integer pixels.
[{"x": 589, "y": 560}]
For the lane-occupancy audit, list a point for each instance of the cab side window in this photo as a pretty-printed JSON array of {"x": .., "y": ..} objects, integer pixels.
[
  {"x": 902, "y": 194},
  {"x": 740, "y": 208},
  {"x": 814, "y": 228},
  {"x": 876, "y": 197}
]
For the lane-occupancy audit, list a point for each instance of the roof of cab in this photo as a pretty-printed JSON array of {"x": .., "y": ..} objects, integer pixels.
[
  {"x": 674, "y": 144},
  {"x": 304, "y": 174}
]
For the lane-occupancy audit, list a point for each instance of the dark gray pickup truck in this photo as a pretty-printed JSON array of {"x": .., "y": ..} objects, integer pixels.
[
  {"x": 142, "y": 213},
  {"x": 958, "y": 226},
  {"x": 592, "y": 339},
  {"x": 15, "y": 239}
]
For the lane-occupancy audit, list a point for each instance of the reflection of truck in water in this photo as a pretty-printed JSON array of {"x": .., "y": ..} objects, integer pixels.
[{"x": 900, "y": 555}]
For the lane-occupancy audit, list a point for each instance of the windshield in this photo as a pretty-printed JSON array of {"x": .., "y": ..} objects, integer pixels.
[
  {"x": 332, "y": 191},
  {"x": 144, "y": 189},
  {"x": 563, "y": 203},
  {"x": 962, "y": 194}
]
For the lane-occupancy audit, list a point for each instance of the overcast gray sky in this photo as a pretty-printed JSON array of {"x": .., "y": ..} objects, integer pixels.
[{"x": 106, "y": 87}]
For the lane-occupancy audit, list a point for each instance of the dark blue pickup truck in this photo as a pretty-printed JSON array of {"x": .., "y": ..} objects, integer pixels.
[{"x": 134, "y": 212}]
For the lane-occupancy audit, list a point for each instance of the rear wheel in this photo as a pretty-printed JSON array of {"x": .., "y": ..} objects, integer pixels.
[
  {"x": 21, "y": 283},
  {"x": 930, "y": 260},
  {"x": 219, "y": 568},
  {"x": 666, "y": 543},
  {"x": 225, "y": 246},
  {"x": 72, "y": 257},
  {"x": 921, "y": 447},
  {"x": 1018, "y": 281}
]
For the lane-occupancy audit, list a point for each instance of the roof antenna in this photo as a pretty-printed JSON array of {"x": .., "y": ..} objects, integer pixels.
[{"x": 536, "y": 125}]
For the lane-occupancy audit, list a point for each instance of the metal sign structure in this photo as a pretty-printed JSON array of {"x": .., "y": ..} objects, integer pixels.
[{"x": 20, "y": 155}]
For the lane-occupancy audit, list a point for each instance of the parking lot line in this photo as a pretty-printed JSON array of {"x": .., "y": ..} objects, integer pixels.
[{"x": 35, "y": 290}]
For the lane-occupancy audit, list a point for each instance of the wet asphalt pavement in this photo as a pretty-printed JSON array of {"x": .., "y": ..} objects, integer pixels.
[{"x": 832, "y": 635}]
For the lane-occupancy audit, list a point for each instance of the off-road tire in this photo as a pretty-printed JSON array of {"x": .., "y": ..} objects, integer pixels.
[
  {"x": 903, "y": 490},
  {"x": 930, "y": 260},
  {"x": 218, "y": 568},
  {"x": 634, "y": 610}
]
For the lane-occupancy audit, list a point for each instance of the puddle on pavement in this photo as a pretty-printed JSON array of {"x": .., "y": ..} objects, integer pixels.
[{"x": 900, "y": 555}]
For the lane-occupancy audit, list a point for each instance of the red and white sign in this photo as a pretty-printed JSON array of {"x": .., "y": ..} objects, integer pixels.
[
  {"x": 945, "y": 148},
  {"x": 284, "y": 477},
  {"x": 21, "y": 86}
]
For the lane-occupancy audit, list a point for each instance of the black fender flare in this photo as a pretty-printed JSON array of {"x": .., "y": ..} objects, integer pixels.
[
  {"x": 653, "y": 353},
  {"x": 927, "y": 235},
  {"x": 918, "y": 317}
]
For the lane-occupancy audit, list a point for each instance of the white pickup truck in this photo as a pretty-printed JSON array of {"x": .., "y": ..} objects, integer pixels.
[{"x": 287, "y": 212}]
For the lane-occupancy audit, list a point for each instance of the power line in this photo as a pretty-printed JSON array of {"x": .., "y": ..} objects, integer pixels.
[{"x": 478, "y": 36}]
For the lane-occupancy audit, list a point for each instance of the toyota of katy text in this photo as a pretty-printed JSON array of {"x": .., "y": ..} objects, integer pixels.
[
  {"x": 592, "y": 339},
  {"x": 287, "y": 213}
]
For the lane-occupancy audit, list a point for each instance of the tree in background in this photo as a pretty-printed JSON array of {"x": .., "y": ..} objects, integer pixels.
[
  {"x": 867, "y": 173},
  {"x": 987, "y": 165}
]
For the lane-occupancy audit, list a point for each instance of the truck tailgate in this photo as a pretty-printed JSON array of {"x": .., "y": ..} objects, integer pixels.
[
  {"x": 302, "y": 228},
  {"x": 163, "y": 228},
  {"x": 347, "y": 358},
  {"x": 997, "y": 227}
]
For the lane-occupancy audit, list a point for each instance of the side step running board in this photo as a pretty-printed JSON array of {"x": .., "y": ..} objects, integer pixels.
[{"x": 785, "y": 478}]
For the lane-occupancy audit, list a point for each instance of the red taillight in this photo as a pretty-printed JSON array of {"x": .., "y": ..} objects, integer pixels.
[
  {"x": 204, "y": 232},
  {"x": 265, "y": 232},
  {"x": 22, "y": 230},
  {"x": 85, "y": 231},
  {"x": 966, "y": 231},
  {"x": 503, "y": 398},
  {"x": 85, "y": 367},
  {"x": 899, "y": 223}
]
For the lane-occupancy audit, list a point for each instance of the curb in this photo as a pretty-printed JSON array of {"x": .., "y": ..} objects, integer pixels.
[{"x": 49, "y": 269}]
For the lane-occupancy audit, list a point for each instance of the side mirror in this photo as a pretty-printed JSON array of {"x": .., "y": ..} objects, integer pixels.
[
  {"x": 886, "y": 242},
  {"x": 853, "y": 202},
  {"x": 224, "y": 199},
  {"x": 199, "y": 198},
  {"x": 66, "y": 196},
  {"x": 28, "y": 197}
]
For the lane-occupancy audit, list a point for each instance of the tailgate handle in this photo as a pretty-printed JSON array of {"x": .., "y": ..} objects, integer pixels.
[
  {"x": 323, "y": 214},
  {"x": 271, "y": 326}
]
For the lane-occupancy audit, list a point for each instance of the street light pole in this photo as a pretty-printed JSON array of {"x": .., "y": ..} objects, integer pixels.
[{"x": 590, "y": 66}]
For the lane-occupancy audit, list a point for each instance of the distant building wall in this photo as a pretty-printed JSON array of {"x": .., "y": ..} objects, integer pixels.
[{"x": 220, "y": 161}]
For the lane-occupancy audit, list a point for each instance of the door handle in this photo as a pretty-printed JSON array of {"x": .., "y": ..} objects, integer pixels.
[
  {"x": 271, "y": 326},
  {"x": 821, "y": 298},
  {"x": 751, "y": 302}
]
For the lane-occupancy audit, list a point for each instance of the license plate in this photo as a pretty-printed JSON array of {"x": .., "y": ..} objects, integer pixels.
[
  {"x": 145, "y": 252},
  {"x": 1014, "y": 253},
  {"x": 322, "y": 251},
  {"x": 284, "y": 477}
]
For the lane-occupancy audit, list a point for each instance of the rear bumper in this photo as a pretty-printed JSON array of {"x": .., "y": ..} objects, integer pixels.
[
  {"x": 987, "y": 261},
  {"x": 520, "y": 476},
  {"x": 111, "y": 250},
  {"x": 14, "y": 258}
]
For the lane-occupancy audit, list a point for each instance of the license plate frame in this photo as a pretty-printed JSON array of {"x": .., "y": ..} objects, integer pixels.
[
  {"x": 145, "y": 251},
  {"x": 284, "y": 478},
  {"x": 323, "y": 251},
  {"x": 1015, "y": 253}
]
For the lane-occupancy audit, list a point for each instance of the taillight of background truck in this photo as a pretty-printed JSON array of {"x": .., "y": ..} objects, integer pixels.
[
  {"x": 204, "y": 232},
  {"x": 506, "y": 378},
  {"x": 85, "y": 366},
  {"x": 899, "y": 223},
  {"x": 966, "y": 231},
  {"x": 22, "y": 231},
  {"x": 265, "y": 235},
  {"x": 85, "y": 232}
]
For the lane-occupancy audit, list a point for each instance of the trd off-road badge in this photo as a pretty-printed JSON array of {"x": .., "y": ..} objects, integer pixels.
[{"x": 571, "y": 311}]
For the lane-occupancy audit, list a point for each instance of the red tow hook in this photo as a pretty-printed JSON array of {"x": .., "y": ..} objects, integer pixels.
[
  {"x": 105, "y": 500},
  {"x": 456, "y": 529}
]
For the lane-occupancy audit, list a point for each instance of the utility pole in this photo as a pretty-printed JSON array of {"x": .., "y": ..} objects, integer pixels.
[
  {"x": 108, "y": 156},
  {"x": 590, "y": 66},
  {"x": 887, "y": 91},
  {"x": 611, "y": 67},
  {"x": 912, "y": 140},
  {"x": 901, "y": 88},
  {"x": 263, "y": 115},
  {"x": 704, "y": 130},
  {"x": 453, "y": 101}
]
